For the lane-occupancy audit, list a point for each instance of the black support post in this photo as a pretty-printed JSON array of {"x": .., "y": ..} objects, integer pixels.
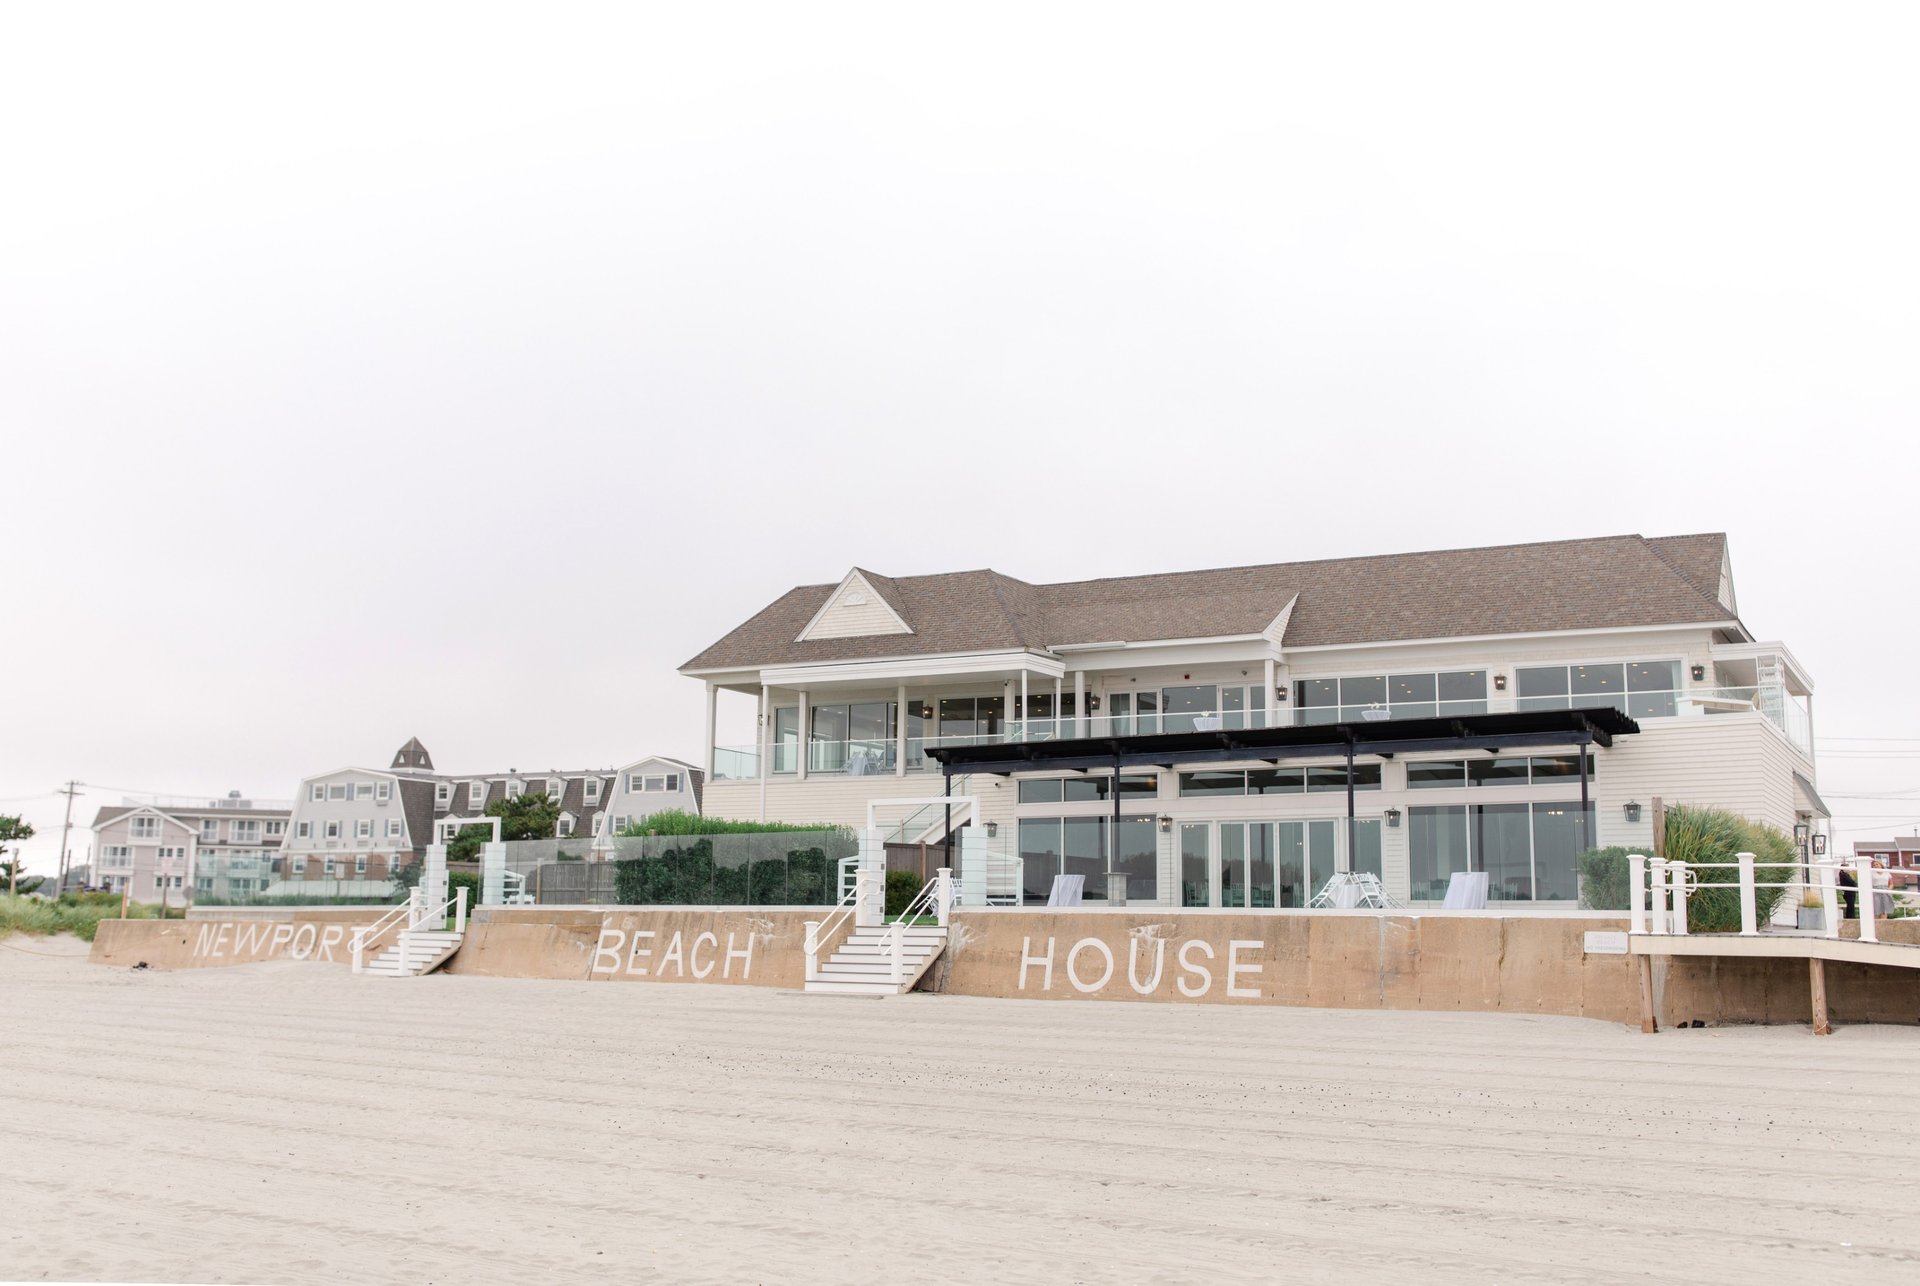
[
  {"x": 1586, "y": 839},
  {"x": 1352, "y": 826},
  {"x": 1113, "y": 840}
]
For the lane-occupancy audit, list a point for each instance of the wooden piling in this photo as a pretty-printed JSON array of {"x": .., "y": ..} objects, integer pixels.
[
  {"x": 1648, "y": 1023},
  {"x": 1817, "y": 974}
]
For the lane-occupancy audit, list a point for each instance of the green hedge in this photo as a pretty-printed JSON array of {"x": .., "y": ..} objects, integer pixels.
[
  {"x": 902, "y": 888},
  {"x": 1604, "y": 877},
  {"x": 689, "y": 875},
  {"x": 674, "y": 821}
]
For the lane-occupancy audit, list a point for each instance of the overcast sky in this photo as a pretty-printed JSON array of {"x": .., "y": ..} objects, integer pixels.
[{"x": 378, "y": 371}]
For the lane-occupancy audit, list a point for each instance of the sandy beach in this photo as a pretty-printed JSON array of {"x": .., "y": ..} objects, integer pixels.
[{"x": 292, "y": 1123}]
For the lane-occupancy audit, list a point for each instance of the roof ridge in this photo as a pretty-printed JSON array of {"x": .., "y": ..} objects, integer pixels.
[{"x": 1356, "y": 558}]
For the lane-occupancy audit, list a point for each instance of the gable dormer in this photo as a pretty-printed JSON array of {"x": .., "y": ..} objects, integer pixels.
[
  {"x": 855, "y": 609},
  {"x": 413, "y": 757}
]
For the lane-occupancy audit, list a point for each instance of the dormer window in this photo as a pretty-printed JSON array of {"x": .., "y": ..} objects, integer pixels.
[
  {"x": 515, "y": 788},
  {"x": 476, "y": 794},
  {"x": 593, "y": 790},
  {"x": 443, "y": 793},
  {"x": 556, "y": 787}
]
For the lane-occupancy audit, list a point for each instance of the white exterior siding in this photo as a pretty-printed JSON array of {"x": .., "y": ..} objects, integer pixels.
[{"x": 348, "y": 812}]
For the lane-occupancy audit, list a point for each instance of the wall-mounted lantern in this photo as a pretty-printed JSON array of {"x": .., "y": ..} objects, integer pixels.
[
  {"x": 1632, "y": 812},
  {"x": 993, "y": 829},
  {"x": 1699, "y": 673},
  {"x": 1800, "y": 832},
  {"x": 1393, "y": 818},
  {"x": 1499, "y": 683},
  {"x": 1819, "y": 845},
  {"x": 1166, "y": 824}
]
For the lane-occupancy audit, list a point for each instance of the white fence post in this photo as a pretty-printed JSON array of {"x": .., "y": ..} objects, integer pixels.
[
  {"x": 460, "y": 909},
  {"x": 895, "y": 945},
  {"x": 870, "y": 903},
  {"x": 1657, "y": 887},
  {"x": 1749, "y": 911},
  {"x": 943, "y": 895},
  {"x": 1636, "y": 893},
  {"x": 974, "y": 888},
  {"x": 1829, "y": 897},
  {"x": 813, "y": 950},
  {"x": 1677, "y": 878},
  {"x": 1863, "y": 879}
]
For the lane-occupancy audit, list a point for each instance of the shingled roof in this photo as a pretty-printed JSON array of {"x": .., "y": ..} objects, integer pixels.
[{"x": 1599, "y": 583}]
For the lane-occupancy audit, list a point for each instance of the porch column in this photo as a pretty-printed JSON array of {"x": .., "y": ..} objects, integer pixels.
[
  {"x": 806, "y": 732},
  {"x": 762, "y": 753},
  {"x": 900, "y": 732},
  {"x": 1059, "y": 730},
  {"x": 713, "y": 704},
  {"x": 1272, "y": 698},
  {"x": 1006, "y": 708},
  {"x": 1082, "y": 726},
  {"x": 1025, "y": 709}
]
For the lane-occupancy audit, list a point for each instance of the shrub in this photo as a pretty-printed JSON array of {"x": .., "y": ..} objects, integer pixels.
[
  {"x": 1714, "y": 835},
  {"x": 1603, "y": 879},
  {"x": 674, "y": 821},
  {"x": 80, "y": 917},
  {"x": 902, "y": 888}
]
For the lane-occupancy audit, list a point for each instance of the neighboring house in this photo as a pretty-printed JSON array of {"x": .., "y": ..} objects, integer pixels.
[
  {"x": 358, "y": 824},
  {"x": 1900, "y": 853},
  {"x": 651, "y": 786},
  {"x": 862, "y": 685},
  {"x": 170, "y": 848}
]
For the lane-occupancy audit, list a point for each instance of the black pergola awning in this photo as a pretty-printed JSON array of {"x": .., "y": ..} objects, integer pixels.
[{"x": 1529, "y": 729}]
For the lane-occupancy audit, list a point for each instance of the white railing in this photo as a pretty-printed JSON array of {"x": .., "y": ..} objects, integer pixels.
[
  {"x": 410, "y": 915},
  {"x": 936, "y": 897},
  {"x": 819, "y": 931},
  {"x": 1659, "y": 890}
]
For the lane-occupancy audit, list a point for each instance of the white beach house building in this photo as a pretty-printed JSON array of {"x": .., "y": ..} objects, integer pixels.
[{"x": 1232, "y": 737}]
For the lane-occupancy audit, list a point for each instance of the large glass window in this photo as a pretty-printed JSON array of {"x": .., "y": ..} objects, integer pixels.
[
  {"x": 1084, "y": 790},
  {"x": 1499, "y": 771},
  {"x": 977, "y": 717},
  {"x": 1195, "y": 864},
  {"x": 1420, "y": 695},
  {"x": 1181, "y": 705},
  {"x": 1436, "y": 774},
  {"x": 786, "y": 739},
  {"x": 1051, "y": 846},
  {"x": 1529, "y": 851},
  {"x": 1334, "y": 777},
  {"x": 1436, "y": 848},
  {"x": 1642, "y": 689},
  {"x": 1213, "y": 783}
]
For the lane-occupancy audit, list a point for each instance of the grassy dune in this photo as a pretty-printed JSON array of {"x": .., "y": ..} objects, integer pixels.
[{"x": 79, "y": 915}]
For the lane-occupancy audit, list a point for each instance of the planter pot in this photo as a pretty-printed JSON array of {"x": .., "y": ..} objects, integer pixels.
[{"x": 1812, "y": 917}]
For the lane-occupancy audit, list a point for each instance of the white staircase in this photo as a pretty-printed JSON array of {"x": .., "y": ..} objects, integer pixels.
[
  {"x": 864, "y": 964},
  {"x": 417, "y": 939},
  {"x": 415, "y": 952}
]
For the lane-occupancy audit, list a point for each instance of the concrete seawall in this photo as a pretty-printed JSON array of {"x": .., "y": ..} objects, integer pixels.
[{"x": 1481, "y": 962}]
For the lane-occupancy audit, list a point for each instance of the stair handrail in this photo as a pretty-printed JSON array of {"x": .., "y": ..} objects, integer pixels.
[
  {"x": 819, "y": 931},
  {"x": 417, "y": 915},
  {"x": 937, "y": 896}
]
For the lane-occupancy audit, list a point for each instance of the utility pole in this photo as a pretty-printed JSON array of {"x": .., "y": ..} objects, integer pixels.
[{"x": 72, "y": 788}]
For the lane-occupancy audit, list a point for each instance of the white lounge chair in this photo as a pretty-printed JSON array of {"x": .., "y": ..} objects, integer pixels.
[
  {"x": 1467, "y": 891},
  {"x": 1067, "y": 890}
]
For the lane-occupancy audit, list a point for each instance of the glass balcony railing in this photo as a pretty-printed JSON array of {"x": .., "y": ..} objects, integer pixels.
[{"x": 880, "y": 755}]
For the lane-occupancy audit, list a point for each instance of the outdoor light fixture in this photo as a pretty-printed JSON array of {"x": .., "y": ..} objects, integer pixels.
[
  {"x": 1280, "y": 693},
  {"x": 1632, "y": 812},
  {"x": 1166, "y": 824},
  {"x": 1093, "y": 701},
  {"x": 1393, "y": 817},
  {"x": 1800, "y": 832},
  {"x": 1819, "y": 845},
  {"x": 1499, "y": 683},
  {"x": 1699, "y": 673}
]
